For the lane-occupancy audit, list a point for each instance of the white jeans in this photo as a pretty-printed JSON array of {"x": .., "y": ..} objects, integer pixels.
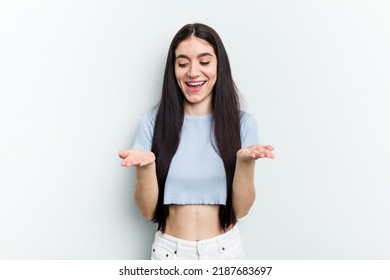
[{"x": 226, "y": 246}]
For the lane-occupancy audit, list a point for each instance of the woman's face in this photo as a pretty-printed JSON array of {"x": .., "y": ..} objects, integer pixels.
[{"x": 196, "y": 74}]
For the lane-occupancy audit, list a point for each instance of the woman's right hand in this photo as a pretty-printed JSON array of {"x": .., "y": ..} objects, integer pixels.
[{"x": 136, "y": 158}]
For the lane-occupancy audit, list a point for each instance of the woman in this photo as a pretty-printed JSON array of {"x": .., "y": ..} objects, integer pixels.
[{"x": 195, "y": 154}]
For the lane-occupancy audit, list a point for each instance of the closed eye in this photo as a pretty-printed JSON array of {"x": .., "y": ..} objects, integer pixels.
[
  {"x": 204, "y": 63},
  {"x": 182, "y": 65}
]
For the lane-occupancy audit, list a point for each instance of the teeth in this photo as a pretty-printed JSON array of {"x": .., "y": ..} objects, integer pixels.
[{"x": 195, "y": 84}]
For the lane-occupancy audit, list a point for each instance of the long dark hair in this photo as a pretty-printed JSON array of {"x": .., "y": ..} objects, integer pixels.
[{"x": 170, "y": 116}]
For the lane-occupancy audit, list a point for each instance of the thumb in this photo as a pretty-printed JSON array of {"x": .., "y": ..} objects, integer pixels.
[{"x": 123, "y": 154}]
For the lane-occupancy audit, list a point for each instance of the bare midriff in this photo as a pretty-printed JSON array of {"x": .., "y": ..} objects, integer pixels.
[{"x": 193, "y": 222}]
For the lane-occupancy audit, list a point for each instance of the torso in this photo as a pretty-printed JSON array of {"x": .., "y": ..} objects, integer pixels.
[{"x": 193, "y": 222}]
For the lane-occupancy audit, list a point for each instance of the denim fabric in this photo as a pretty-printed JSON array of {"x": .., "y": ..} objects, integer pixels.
[{"x": 227, "y": 246}]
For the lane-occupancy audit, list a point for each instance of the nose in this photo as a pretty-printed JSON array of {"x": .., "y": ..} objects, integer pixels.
[{"x": 193, "y": 71}]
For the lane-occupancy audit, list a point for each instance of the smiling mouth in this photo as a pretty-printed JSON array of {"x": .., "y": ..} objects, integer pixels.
[{"x": 195, "y": 84}]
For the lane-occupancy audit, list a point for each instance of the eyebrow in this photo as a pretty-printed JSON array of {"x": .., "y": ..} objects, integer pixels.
[{"x": 199, "y": 56}]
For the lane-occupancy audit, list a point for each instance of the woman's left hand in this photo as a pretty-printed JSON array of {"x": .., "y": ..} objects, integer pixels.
[{"x": 255, "y": 152}]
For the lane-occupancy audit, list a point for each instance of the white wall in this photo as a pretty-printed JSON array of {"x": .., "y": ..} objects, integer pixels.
[{"x": 76, "y": 75}]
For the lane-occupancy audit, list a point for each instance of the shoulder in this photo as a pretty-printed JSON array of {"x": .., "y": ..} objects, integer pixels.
[
  {"x": 144, "y": 136},
  {"x": 148, "y": 118},
  {"x": 247, "y": 119},
  {"x": 249, "y": 134}
]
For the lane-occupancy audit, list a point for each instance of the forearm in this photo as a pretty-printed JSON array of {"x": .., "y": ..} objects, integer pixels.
[
  {"x": 146, "y": 190},
  {"x": 243, "y": 187}
]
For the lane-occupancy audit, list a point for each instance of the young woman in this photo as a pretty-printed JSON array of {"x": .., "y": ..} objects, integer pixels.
[{"x": 195, "y": 153}]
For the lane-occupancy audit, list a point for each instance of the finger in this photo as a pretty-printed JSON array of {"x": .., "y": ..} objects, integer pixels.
[
  {"x": 265, "y": 154},
  {"x": 132, "y": 163},
  {"x": 269, "y": 147},
  {"x": 257, "y": 154},
  {"x": 252, "y": 156},
  {"x": 123, "y": 154},
  {"x": 269, "y": 155},
  {"x": 256, "y": 147},
  {"x": 126, "y": 163}
]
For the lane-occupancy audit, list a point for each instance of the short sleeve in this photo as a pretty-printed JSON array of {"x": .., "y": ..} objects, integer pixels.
[
  {"x": 144, "y": 136},
  {"x": 249, "y": 133}
]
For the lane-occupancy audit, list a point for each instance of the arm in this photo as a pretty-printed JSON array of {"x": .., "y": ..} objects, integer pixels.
[
  {"x": 243, "y": 181},
  {"x": 146, "y": 188}
]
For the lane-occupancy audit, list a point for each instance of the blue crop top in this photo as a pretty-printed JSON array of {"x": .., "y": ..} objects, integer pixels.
[{"x": 196, "y": 174}]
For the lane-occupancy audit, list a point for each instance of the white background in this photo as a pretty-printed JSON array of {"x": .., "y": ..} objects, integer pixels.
[{"x": 75, "y": 77}]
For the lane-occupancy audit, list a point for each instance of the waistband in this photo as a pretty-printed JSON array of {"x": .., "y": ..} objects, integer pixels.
[{"x": 216, "y": 244}]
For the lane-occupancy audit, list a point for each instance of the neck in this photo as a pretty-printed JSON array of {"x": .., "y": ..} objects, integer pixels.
[{"x": 197, "y": 109}]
